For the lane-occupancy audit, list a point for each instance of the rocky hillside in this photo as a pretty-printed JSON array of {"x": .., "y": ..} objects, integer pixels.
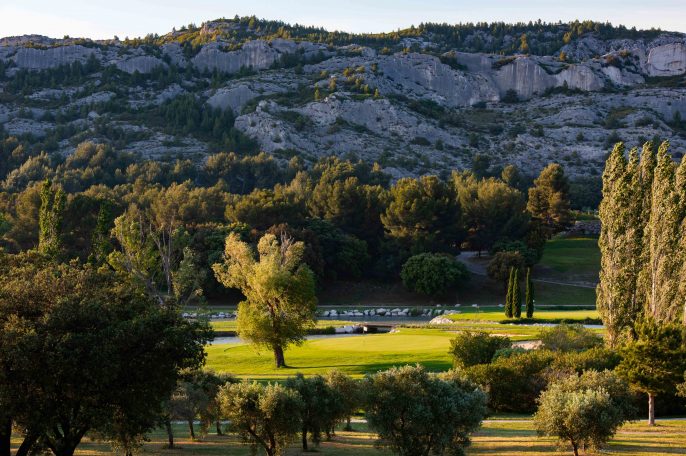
[{"x": 418, "y": 101}]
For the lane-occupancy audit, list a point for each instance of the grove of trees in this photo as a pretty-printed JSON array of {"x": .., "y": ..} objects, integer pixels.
[{"x": 641, "y": 293}]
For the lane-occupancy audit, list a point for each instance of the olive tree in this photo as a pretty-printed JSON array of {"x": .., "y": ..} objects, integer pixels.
[
  {"x": 264, "y": 416},
  {"x": 584, "y": 410},
  {"x": 279, "y": 291},
  {"x": 416, "y": 413},
  {"x": 320, "y": 405},
  {"x": 350, "y": 395}
]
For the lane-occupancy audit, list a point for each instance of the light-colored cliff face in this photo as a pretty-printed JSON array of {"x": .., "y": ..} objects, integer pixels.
[
  {"x": 233, "y": 98},
  {"x": 525, "y": 77},
  {"x": 465, "y": 116},
  {"x": 580, "y": 77},
  {"x": 256, "y": 55},
  {"x": 143, "y": 64},
  {"x": 40, "y": 59},
  {"x": 667, "y": 60},
  {"x": 424, "y": 76}
]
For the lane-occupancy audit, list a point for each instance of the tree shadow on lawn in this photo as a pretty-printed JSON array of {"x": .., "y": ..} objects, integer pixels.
[
  {"x": 635, "y": 447},
  {"x": 505, "y": 433}
]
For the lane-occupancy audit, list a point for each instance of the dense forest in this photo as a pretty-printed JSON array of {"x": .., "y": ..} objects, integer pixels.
[{"x": 354, "y": 221}]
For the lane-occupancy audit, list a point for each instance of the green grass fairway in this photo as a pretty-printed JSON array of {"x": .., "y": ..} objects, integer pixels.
[
  {"x": 355, "y": 355},
  {"x": 571, "y": 258},
  {"x": 495, "y": 438},
  {"x": 498, "y": 314}
]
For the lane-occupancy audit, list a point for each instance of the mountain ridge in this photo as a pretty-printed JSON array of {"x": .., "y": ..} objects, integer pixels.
[{"x": 405, "y": 100}]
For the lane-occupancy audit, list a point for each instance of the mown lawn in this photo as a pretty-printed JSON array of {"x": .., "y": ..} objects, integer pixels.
[
  {"x": 498, "y": 314},
  {"x": 572, "y": 257},
  {"x": 495, "y": 438},
  {"x": 354, "y": 355}
]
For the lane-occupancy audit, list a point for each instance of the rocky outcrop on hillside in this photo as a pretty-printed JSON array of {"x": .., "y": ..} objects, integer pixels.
[{"x": 413, "y": 111}]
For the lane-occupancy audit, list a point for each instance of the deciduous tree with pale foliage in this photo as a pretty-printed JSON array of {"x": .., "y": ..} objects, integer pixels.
[{"x": 279, "y": 291}]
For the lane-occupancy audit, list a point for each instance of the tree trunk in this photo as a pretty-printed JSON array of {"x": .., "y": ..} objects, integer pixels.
[
  {"x": 26, "y": 445},
  {"x": 278, "y": 356},
  {"x": 65, "y": 448},
  {"x": 219, "y": 428},
  {"x": 348, "y": 426},
  {"x": 170, "y": 434},
  {"x": 651, "y": 409},
  {"x": 191, "y": 429},
  {"x": 575, "y": 447},
  {"x": 6, "y": 436},
  {"x": 304, "y": 439}
]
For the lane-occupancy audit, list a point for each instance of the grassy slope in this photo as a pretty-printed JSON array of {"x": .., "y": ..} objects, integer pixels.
[
  {"x": 571, "y": 258},
  {"x": 356, "y": 355},
  {"x": 494, "y": 439}
]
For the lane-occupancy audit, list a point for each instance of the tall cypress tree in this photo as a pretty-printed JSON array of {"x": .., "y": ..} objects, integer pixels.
[
  {"x": 529, "y": 295},
  {"x": 101, "y": 245},
  {"x": 50, "y": 219},
  {"x": 516, "y": 296},
  {"x": 643, "y": 183},
  {"x": 615, "y": 286},
  {"x": 509, "y": 308},
  {"x": 662, "y": 269},
  {"x": 681, "y": 188}
]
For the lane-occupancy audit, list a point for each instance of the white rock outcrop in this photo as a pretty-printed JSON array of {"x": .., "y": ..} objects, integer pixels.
[
  {"x": 667, "y": 60},
  {"x": 41, "y": 59}
]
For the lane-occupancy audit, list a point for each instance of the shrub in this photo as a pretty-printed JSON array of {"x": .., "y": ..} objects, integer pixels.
[
  {"x": 584, "y": 411},
  {"x": 432, "y": 274},
  {"x": 470, "y": 348},
  {"x": 510, "y": 96},
  {"x": 566, "y": 338},
  {"x": 507, "y": 352},
  {"x": 513, "y": 383},
  {"x": 416, "y": 413},
  {"x": 597, "y": 358}
]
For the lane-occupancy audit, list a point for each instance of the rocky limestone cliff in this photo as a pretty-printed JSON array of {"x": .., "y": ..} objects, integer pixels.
[{"x": 566, "y": 112}]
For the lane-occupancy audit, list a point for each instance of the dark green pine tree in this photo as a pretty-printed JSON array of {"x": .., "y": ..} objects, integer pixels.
[
  {"x": 529, "y": 295},
  {"x": 516, "y": 296},
  {"x": 509, "y": 308}
]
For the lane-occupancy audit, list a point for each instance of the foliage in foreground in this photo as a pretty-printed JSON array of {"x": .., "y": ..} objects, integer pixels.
[
  {"x": 84, "y": 350},
  {"x": 266, "y": 416},
  {"x": 584, "y": 411},
  {"x": 416, "y": 413}
]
